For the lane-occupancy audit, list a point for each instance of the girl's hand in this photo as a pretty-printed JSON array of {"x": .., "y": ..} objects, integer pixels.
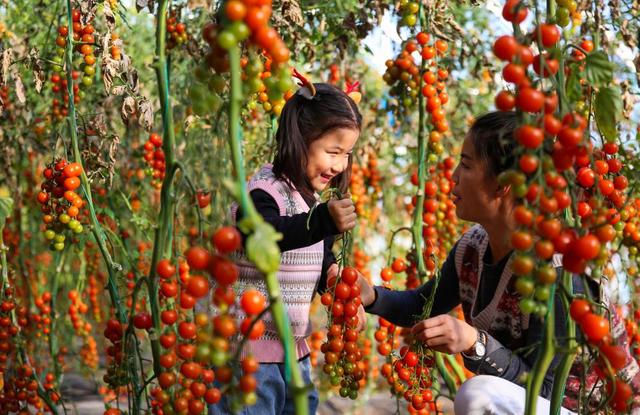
[
  {"x": 343, "y": 213},
  {"x": 446, "y": 334}
]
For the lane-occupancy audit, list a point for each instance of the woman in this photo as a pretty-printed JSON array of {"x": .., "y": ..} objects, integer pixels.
[{"x": 498, "y": 342}]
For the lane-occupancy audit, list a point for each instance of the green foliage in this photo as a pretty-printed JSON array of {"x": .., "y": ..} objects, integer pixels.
[
  {"x": 6, "y": 208},
  {"x": 608, "y": 109},
  {"x": 262, "y": 247},
  {"x": 598, "y": 68}
]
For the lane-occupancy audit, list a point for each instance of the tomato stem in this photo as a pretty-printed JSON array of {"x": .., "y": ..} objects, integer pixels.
[
  {"x": 98, "y": 232},
  {"x": 544, "y": 358},
  {"x": 421, "y": 162},
  {"x": 562, "y": 372},
  {"x": 253, "y": 219}
]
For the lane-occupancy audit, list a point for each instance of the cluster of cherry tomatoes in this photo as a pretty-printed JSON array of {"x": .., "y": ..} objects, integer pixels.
[
  {"x": 342, "y": 356},
  {"x": 154, "y": 157},
  {"x": 440, "y": 223},
  {"x": 60, "y": 204},
  {"x": 366, "y": 188},
  {"x": 403, "y": 75},
  {"x": 272, "y": 90},
  {"x": 247, "y": 21},
  {"x": 409, "y": 12},
  {"x": 85, "y": 43},
  {"x": 194, "y": 344},
  {"x": 613, "y": 357},
  {"x": 434, "y": 88},
  {"x": 176, "y": 31}
]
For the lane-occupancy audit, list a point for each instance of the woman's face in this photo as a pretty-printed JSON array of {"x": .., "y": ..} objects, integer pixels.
[
  {"x": 328, "y": 156},
  {"x": 475, "y": 190}
]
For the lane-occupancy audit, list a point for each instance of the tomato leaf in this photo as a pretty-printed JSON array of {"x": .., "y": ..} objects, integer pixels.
[
  {"x": 608, "y": 108},
  {"x": 598, "y": 68},
  {"x": 6, "y": 206},
  {"x": 262, "y": 248}
]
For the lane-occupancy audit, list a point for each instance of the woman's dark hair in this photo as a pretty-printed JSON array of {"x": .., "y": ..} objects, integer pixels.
[
  {"x": 493, "y": 139},
  {"x": 305, "y": 120}
]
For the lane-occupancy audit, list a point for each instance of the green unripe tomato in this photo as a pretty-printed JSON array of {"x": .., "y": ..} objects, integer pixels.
[
  {"x": 525, "y": 286},
  {"x": 285, "y": 84},
  {"x": 409, "y": 20},
  {"x": 562, "y": 17},
  {"x": 49, "y": 234},
  {"x": 89, "y": 70},
  {"x": 217, "y": 83},
  {"x": 202, "y": 73},
  {"x": 227, "y": 40},
  {"x": 218, "y": 357},
  {"x": 542, "y": 292},
  {"x": 213, "y": 102},
  {"x": 78, "y": 229},
  {"x": 64, "y": 218},
  {"x": 87, "y": 81},
  {"x": 253, "y": 84},
  {"x": 196, "y": 93},
  {"x": 58, "y": 246},
  {"x": 413, "y": 8},
  {"x": 527, "y": 305},
  {"x": 59, "y": 238},
  {"x": 240, "y": 30}
]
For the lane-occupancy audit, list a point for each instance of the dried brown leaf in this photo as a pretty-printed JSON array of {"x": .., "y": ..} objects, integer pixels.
[
  {"x": 38, "y": 70},
  {"x": 109, "y": 17},
  {"x": 18, "y": 86},
  {"x": 6, "y": 62},
  {"x": 128, "y": 108},
  {"x": 145, "y": 114},
  {"x": 292, "y": 13}
]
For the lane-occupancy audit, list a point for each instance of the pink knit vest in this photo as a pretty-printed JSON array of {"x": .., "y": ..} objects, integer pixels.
[{"x": 298, "y": 276}]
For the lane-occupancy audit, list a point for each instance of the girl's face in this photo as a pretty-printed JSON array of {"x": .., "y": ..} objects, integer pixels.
[
  {"x": 476, "y": 192},
  {"x": 328, "y": 156}
]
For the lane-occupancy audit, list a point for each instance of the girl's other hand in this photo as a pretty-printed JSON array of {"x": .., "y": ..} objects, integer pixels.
[{"x": 343, "y": 213}]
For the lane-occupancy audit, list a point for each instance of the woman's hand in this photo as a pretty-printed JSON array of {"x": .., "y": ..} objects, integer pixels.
[
  {"x": 367, "y": 294},
  {"x": 446, "y": 334}
]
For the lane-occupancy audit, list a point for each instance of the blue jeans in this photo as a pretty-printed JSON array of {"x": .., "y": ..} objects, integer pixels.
[{"x": 274, "y": 396}]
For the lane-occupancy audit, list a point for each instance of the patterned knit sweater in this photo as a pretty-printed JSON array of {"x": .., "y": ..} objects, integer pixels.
[
  {"x": 298, "y": 275},
  {"x": 510, "y": 331}
]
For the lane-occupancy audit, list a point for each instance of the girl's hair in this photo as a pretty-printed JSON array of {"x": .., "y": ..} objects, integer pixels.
[
  {"x": 494, "y": 141},
  {"x": 305, "y": 120}
]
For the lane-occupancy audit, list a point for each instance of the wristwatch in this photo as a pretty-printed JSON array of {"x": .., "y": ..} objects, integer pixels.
[{"x": 479, "y": 348}]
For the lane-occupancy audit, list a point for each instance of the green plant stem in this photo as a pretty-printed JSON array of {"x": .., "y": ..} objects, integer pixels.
[
  {"x": 278, "y": 312},
  {"x": 446, "y": 376},
  {"x": 562, "y": 372},
  {"x": 53, "y": 344},
  {"x": 543, "y": 360},
  {"x": 97, "y": 230},
  {"x": 162, "y": 237},
  {"x": 456, "y": 367},
  {"x": 416, "y": 226}
]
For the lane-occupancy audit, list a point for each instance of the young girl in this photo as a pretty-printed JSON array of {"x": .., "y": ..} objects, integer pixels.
[
  {"x": 315, "y": 139},
  {"x": 495, "y": 334}
]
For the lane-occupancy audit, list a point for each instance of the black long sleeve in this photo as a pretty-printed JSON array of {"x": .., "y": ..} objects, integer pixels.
[{"x": 293, "y": 228}]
